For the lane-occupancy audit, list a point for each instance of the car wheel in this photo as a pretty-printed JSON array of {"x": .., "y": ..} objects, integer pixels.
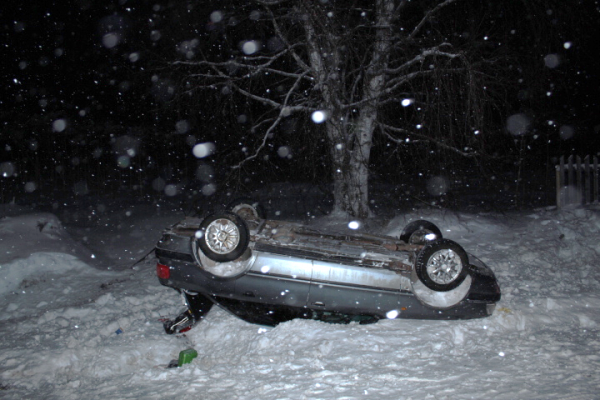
[
  {"x": 224, "y": 237},
  {"x": 247, "y": 208},
  {"x": 442, "y": 265},
  {"x": 420, "y": 232}
]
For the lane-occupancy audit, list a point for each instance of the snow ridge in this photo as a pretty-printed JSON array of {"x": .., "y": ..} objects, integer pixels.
[{"x": 71, "y": 331}]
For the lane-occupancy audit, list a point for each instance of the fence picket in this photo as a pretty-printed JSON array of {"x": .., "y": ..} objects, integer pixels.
[
  {"x": 570, "y": 180},
  {"x": 559, "y": 181},
  {"x": 577, "y": 180},
  {"x": 586, "y": 182},
  {"x": 595, "y": 174}
]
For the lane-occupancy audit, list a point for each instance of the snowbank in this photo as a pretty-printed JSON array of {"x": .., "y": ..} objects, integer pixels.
[
  {"x": 23, "y": 273},
  {"x": 23, "y": 235},
  {"x": 70, "y": 331},
  {"x": 35, "y": 245}
]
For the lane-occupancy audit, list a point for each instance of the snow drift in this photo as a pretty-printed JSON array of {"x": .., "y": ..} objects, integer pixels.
[{"x": 70, "y": 330}]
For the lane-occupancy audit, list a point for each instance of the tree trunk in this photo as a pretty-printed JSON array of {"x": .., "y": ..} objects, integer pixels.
[
  {"x": 351, "y": 159},
  {"x": 350, "y": 154}
]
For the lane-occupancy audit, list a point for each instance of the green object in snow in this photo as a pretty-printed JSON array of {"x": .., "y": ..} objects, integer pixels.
[{"x": 186, "y": 356}]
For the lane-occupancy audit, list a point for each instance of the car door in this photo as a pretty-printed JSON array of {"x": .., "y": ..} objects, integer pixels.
[
  {"x": 276, "y": 279},
  {"x": 353, "y": 289}
]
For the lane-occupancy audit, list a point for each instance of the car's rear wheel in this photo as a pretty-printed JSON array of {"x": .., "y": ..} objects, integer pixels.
[
  {"x": 223, "y": 237},
  {"x": 442, "y": 265},
  {"x": 247, "y": 208},
  {"x": 420, "y": 232}
]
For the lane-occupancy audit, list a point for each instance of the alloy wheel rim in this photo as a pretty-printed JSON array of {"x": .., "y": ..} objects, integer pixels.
[
  {"x": 222, "y": 236},
  {"x": 444, "y": 266}
]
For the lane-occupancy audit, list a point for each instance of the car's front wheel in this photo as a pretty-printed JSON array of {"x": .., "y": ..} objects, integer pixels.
[
  {"x": 223, "y": 237},
  {"x": 247, "y": 208},
  {"x": 420, "y": 232},
  {"x": 442, "y": 265}
]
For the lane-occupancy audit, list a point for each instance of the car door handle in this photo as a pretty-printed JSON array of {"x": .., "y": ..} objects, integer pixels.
[
  {"x": 249, "y": 294},
  {"x": 319, "y": 303}
]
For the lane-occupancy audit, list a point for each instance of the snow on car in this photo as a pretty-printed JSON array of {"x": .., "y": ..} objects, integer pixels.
[{"x": 268, "y": 271}]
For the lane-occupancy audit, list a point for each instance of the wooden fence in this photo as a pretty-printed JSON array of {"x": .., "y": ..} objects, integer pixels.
[{"x": 577, "y": 181}]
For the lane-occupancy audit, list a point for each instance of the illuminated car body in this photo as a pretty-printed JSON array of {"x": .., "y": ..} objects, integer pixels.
[{"x": 283, "y": 270}]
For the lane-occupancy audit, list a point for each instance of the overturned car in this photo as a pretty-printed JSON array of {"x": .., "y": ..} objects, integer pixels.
[{"x": 269, "y": 271}]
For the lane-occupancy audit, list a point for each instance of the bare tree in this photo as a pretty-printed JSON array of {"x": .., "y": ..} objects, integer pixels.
[{"x": 411, "y": 72}]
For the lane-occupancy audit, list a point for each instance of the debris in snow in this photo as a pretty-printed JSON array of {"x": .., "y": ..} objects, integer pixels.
[{"x": 186, "y": 356}]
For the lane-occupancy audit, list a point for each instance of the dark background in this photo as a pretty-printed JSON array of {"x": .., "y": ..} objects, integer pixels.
[{"x": 90, "y": 107}]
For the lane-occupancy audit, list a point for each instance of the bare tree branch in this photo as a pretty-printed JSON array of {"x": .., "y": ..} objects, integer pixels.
[
  {"x": 428, "y": 16},
  {"x": 289, "y": 46},
  {"x": 434, "y": 51},
  {"x": 384, "y": 128},
  {"x": 265, "y": 67},
  {"x": 264, "y": 100},
  {"x": 284, "y": 112}
]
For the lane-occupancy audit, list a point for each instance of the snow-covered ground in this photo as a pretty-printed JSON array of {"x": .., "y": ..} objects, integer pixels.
[{"x": 76, "y": 321}]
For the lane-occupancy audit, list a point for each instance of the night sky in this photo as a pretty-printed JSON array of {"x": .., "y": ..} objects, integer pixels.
[
  {"x": 77, "y": 74},
  {"x": 78, "y": 61}
]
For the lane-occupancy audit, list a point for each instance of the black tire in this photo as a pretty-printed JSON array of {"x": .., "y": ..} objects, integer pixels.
[
  {"x": 247, "y": 208},
  {"x": 442, "y": 265},
  {"x": 416, "y": 232},
  {"x": 224, "y": 236}
]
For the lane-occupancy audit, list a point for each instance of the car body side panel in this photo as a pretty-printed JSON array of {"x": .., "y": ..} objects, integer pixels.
[
  {"x": 349, "y": 288},
  {"x": 276, "y": 279},
  {"x": 352, "y": 275}
]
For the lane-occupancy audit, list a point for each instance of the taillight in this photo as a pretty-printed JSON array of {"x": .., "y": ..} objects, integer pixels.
[{"x": 163, "y": 271}]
